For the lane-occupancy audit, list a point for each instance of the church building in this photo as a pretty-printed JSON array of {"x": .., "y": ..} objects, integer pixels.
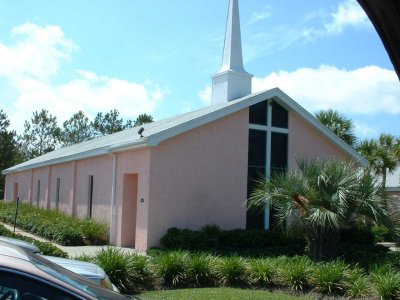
[{"x": 186, "y": 171}]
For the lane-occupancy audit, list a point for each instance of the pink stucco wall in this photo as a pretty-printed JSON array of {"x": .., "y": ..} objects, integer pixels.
[
  {"x": 306, "y": 141},
  {"x": 188, "y": 181},
  {"x": 101, "y": 169},
  {"x": 199, "y": 178},
  {"x": 65, "y": 172},
  {"x": 41, "y": 174},
  {"x": 133, "y": 162},
  {"x": 24, "y": 186}
]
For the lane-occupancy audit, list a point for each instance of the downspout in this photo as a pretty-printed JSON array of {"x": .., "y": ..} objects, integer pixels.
[{"x": 113, "y": 187}]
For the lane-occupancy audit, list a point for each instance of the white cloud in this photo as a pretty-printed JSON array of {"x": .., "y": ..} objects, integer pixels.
[
  {"x": 258, "y": 16},
  {"x": 205, "y": 95},
  {"x": 38, "y": 56},
  {"x": 91, "y": 94},
  {"x": 367, "y": 90},
  {"x": 347, "y": 14},
  {"x": 315, "y": 25},
  {"x": 38, "y": 52}
]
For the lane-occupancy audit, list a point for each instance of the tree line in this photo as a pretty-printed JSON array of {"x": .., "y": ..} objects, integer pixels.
[{"x": 42, "y": 134}]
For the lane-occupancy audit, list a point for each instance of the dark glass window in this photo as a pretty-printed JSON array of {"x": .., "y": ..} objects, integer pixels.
[
  {"x": 257, "y": 148},
  {"x": 255, "y": 216},
  {"x": 38, "y": 192},
  {"x": 90, "y": 196},
  {"x": 258, "y": 113},
  {"x": 58, "y": 193},
  {"x": 256, "y": 171},
  {"x": 279, "y": 152},
  {"x": 279, "y": 116}
]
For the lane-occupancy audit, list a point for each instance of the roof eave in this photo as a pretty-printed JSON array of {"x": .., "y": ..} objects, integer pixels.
[{"x": 79, "y": 156}]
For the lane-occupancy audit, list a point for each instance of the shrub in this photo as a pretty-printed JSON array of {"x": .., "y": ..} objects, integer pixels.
[
  {"x": 56, "y": 226},
  {"x": 364, "y": 255},
  {"x": 356, "y": 283},
  {"x": 252, "y": 242},
  {"x": 140, "y": 273},
  {"x": 85, "y": 257},
  {"x": 382, "y": 234},
  {"x": 172, "y": 267},
  {"x": 116, "y": 264},
  {"x": 328, "y": 277},
  {"x": 202, "y": 269},
  {"x": 186, "y": 239},
  {"x": 294, "y": 272},
  {"x": 386, "y": 284},
  {"x": 262, "y": 272},
  {"x": 357, "y": 234},
  {"x": 94, "y": 233},
  {"x": 232, "y": 271},
  {"x": 44, "y": 247}
]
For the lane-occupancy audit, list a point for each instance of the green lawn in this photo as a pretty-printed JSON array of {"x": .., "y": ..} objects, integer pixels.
[{"x": 217, "y": 294}]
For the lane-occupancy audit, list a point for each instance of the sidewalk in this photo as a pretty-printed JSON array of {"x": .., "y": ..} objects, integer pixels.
[{"x": 72, "y": 251}]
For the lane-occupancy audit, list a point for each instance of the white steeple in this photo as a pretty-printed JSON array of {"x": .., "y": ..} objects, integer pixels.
[{"x": 232, "y": 81}]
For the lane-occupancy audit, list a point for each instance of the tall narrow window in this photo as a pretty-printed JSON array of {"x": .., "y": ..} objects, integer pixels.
[
  {"x": 279, "y": 153},
  {"x": 256, "y": 171},
  {"x": 57, "y": 193},
  {"x": 38, "y": 193},
  {"x": 90, "y": 196}
]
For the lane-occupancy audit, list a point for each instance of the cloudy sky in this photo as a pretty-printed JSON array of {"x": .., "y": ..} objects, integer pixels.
[{"x": 157, "y": 56}]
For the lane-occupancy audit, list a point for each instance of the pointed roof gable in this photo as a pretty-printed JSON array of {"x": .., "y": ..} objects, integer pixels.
[{"x": 157, "y": 132}]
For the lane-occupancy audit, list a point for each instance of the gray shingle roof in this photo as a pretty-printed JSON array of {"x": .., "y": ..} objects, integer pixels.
[{"x": 156, "y": 132}]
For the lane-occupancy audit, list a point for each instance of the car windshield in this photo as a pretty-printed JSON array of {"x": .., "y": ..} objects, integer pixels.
[{"x": 73, "y": 279}]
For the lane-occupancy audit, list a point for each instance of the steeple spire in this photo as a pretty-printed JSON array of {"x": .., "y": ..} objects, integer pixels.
[
  {"x": 232, "y": 57},
  {"x": 232, "y": 81}
]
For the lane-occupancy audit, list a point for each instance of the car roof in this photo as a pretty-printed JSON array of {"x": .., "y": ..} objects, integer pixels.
[
  {"x": 20, "y": 243},
  {"x": 11, "y": 250},
  {"x": 77, "y": 266}
]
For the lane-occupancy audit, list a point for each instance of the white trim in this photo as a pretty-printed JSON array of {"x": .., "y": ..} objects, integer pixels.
[
  {"x": 279, "y": 130},
  {"x": 113, "y": 200},
  {"x": 267, "y": 210},
  {"x": 258, "y": 127}
]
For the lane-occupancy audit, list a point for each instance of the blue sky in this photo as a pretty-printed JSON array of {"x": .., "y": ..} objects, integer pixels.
[{"x": 157, "y": 56}]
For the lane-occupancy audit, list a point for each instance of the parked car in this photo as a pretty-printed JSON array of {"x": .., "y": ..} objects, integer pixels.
[
  {"x": 25, "y": 275},
  {"x": 88, "y": 270}
]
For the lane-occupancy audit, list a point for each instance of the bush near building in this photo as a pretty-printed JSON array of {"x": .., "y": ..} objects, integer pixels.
[
  {"x": 56, "y": 226},
  {"x": 45, "y": 248},
  {"x": 173, "y": 269}
]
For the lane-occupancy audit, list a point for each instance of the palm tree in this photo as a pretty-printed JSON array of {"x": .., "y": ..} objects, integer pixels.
[
  {"x": 338, "y": 124},
  {"x": 325, "y": 196},
  {"x": 383, "y": 154}
]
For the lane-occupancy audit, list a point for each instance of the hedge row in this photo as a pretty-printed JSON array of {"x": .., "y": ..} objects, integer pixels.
[
  {"x": 256, "y": 242},
  {"x": 133, "y": 273},
  {"x": 45, "y": 248},
  {"x": 56, "y": 226}
]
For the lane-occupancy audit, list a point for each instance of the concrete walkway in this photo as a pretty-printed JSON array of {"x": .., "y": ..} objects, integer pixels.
[{"x": 73, "y": 251}]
